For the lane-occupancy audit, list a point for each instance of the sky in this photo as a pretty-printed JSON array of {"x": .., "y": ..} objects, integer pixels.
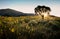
[{"x": 27, "y": 6}]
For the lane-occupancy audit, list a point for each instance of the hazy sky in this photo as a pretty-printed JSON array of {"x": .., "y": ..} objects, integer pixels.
[{"x": 28, "y": 6}]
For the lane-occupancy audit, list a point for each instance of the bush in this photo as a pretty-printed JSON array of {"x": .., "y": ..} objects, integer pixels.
[
  {"x": 26, "y": 20},
  {"x": 32, "y": 23}
]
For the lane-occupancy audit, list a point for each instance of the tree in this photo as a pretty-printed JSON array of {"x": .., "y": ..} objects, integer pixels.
[{"x": 42, "y": 10}]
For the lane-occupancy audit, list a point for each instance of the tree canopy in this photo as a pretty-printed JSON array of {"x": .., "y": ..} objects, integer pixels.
[{"x": 41, "y": 9}]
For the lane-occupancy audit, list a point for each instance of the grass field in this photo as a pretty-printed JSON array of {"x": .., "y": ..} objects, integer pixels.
[{"x": 29, "y": 27}]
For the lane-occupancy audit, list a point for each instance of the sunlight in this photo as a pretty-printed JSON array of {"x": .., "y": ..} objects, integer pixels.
[{"x": 45, "y": 14}]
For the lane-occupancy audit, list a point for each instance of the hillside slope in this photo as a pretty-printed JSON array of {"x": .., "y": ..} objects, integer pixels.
[
  {"x": 10, "y": 12},
  {"x": 29, "y": 27}
]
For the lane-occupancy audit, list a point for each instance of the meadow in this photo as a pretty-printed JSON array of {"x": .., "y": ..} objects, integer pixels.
[{"x": 29, "y": 27}]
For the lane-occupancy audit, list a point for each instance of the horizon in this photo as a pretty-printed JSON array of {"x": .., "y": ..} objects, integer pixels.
[{"x": 27, "y": 6}]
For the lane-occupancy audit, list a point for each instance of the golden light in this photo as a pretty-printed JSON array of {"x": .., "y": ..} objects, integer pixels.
[{"x": 46, "y": 15}]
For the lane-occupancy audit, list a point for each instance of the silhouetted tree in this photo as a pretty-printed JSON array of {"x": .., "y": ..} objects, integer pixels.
[{"x": 40, "y": 10}]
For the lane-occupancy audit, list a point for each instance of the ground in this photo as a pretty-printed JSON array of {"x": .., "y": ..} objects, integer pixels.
[{"x": 29, "y": 27}]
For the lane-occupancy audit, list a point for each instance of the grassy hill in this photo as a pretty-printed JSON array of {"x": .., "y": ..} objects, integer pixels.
[
  {"x": 13, "y": 13},
  {"x": 29, "y": 27}
]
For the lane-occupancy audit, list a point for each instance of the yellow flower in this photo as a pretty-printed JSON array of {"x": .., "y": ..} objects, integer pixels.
[{"x": 12, "y": 30}]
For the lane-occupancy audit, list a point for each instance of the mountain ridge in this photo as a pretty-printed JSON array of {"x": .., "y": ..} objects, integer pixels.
[{"x": 11, "y": 12}]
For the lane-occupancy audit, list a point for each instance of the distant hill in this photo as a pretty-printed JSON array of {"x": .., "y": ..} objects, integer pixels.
[{"x": 11, "y": 12}]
